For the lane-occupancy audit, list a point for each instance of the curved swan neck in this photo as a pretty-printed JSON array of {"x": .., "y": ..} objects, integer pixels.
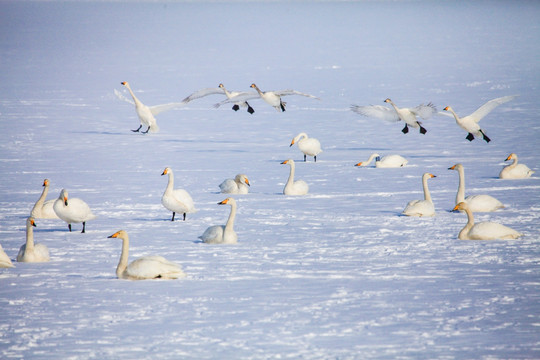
[
  {"x": 170, "y": 183},
  {"x": 427, "y": 194},
  {"x": 122, "y": 264},
  {"x": 470, "y": 223},
  {"x": 41, "y": 200},
  {"x": 29, "y": 236},
  {"x": 454, "y": 113},
  {"x": 371, "y": 157},
  {"x": 461, "y": 187},
  {"x": 257, "y": 88},
  {"x": 232, "y": 216},
  {"x": 291, "y": 174},
  {"x": 137, "y": 101}
]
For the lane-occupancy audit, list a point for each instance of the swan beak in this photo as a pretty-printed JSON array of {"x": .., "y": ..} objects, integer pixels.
[
  {"x": 292, "y": 143},
  {"x": 66, "y": 200},
  {"x": 446, "y": 108},
  {"x": 285, "y": 162},
  {"x": 387, "y": 100},
  {"x": 113, "y": 235},
  {"x": 433, "y": 176},
  {"x": 223, "y": 202},
  {"x": 33, "y": 223},
  {"x": 253, "y": 85},
  {"x": 359, "y": 164},
  {"x": 123, "y": 83},
  {"x": 247, "y": 182},
  {"x": 508, "y": 158},
  {"x": 453, "y": 167},
  {"x": 456, "y": 208},
  {"x": 164, "y": 172}
]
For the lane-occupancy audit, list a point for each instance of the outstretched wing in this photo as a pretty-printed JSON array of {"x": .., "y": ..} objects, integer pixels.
[
  {"x": 490, "y": 105},
  {"x": 240, "y": 98},
  {"x": 424, "y": 111},
  {"x": 202, "y": 93},
  {"x": 294, "y": 92},
  {"x": 122, "y": 97},
  {"x": 377, "y": 112},
  {"x": 156, "y": 109}
]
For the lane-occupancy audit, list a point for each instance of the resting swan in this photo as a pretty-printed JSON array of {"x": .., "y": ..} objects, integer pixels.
[
  {"x": 238, "y": 185},
  {"x": 5, "y": 261},
  {"x": 309, "y": 146},
  {"x": 476, "y": 203},
  {"x": 73, "y": 211},
  {"x": 484, "y": 230},
  {"x": 515, "y": 170},
  {"x": 176, "y": 200},
  {"x": 388, "y": 161},
  {"x": 292, "y": 187},
  {"x": 470, "y": 123},
  {"x": 222, "y": 90},
  {"x": 222, "y": 234},
  {"x": 408, "y": 115},
  {"x": 421, "y": 207},
  {"x": 32, "y": 252},
  {"x": 44, "y": 209},
  {"x": 146, "y": 267}
]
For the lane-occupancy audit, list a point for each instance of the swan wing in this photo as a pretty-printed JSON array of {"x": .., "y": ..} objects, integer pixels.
[
  {"x": 202, "y": 93},
  {"x": 240, "y": 98},
  {"x": 122, "y": 97},
  {"x": 183, "y": 197},
  {"x": 489, "y": 106},
  {"x": 483, "y": 203},
  {"x": 424, "y": 111},
  {"x": 492, "y": 231},
  {"x": 5, "y": 261},
  {"x": 152, "y": 267},
  {"x": 156, "y": 109},
  {"x": 294, "y": 92},
  {"x": 377, "y": 112},
  {"x": 229, "y": 186},
  {"x": 213, "y": 235}
]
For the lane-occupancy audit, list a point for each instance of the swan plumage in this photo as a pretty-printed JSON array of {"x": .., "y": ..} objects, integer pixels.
[
  {"x": 477, "y": 203},
  {"x": 388, "y": 161},
  {"x": 72, "y": 210},
  {"x": 221, "y": 90},
  {"x": 222, "y": 234},
  {"x": 484, "y": 230},
  {"x": 292, "y": 187},
  {"x": 44, "y": 209},
  {"x": 32, "y": 251},
  {"x": 469, "y": 123},
  {"x": 515, "y": 170},
  {"x": 176, "y": 200},
  {"x": 239, "y": 185},
  {"x": 421, "y": 207},
  {"x": 408, "y": 115},
  {"x": 5, "y": 261},
  {"x": 307, "y": 145},
  {"x": 146, "y": 267}
]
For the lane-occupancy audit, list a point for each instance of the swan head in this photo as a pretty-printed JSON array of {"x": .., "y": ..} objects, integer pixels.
[
  {"x": 253, "y": 86},
  {"x": 511, "y": 156},
  {"x": 388, "y": 101},
  {"x": 359, "y": 164},
  {"x": 64, "y": 196},
  {"x": 448, "y": 108},
  {"x": 456, "y": 167},
  {"x": 30, "y": 222},
  {"x": 119, "y": 234},
  {"x": 166, "y": 171},
  {"x": 461, "y": 206},
  {"x": 289, "y": 161},
  {"x": 46, "y": 182},
  {"x": 227, "y": 201},
  {"x": 221, "y": 86},
  {"x": 242, "y": 178},
  {"x": 428, "y": 176},
  {"x": 125, "y": 83}
]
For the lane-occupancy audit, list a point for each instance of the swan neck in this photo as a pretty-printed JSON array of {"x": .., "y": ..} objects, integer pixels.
[
  {"x": 290, "y": 181},
  {"x": 371, "y": 157},
  {"x": 29, "y": 237},
  {"x": 133, "y": 95},
  {"x": 463, "y": 234},
  {"x": 41, "y": 200},
  {"x": 427, "y": 194},
  {"x": 461, "y": 187},
  {"x": 122, "y": 264},
  {"x": 232, "y": 216},
  {"x": 170, "y": 183}
]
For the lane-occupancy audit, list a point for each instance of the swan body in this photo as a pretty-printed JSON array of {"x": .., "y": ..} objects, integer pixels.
[
  {"x": 407, "y": 115},
  {"x": 30, "y": 251},
  {"x": 146, "y": 267},
  {"x": 484, "y": 230},
  {"x": 309, "y": 146},
  {"x": 421, "y": 207},
  {"x": 72, "y": 210},
  {"x": 298, "y": 187},
  {"x": 222, "y": 91},
  {"x": 515, "y": 170},
  {"x": 222, "y": 234},
  {"x": 44, "y": 209},
  {"x": 238, "y": 185},
  {"x": 469, "y": 123},
  {"x": 388, "y": 161},
  {"x": 476, "y": 203},
  {"x": 176, "y": 200},
  {"x": 5, "y": 261}
]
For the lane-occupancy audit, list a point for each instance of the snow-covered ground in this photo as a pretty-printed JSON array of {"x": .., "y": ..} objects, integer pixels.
[{"x": 334, "y": 274}]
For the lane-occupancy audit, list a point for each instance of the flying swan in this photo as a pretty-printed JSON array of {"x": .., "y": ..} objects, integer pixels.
[
  {"x": 222, "y": 234},
  {"x": 238, "y": 185},
  {"x": 388, "y": 161},
  {"x": 222, "y": 91},
  {"x": 309, "y": 146},
  {"x": 176, "y": 200},
  {"x": 421, "y": 207},
  {"x": 44, "y": 209},
  {"x": 30, "y": 251},
  {"x": 5, "y": 261},
  {"x": 72, "y": 210},
  {"x": 298, "y": 187},
  {"x": 515, "y": 170},
  {"x": 484, "y": 230},
  {"x": 146, "y": 267}
]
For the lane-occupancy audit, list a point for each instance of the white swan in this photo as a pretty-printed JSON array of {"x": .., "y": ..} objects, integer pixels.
[
  {"x": 309, "y": 146},
  {"x": 146, "y": 267},
  {"x": 470, "y": 123},
  {"x": 222, "y": 91},
  {"x": 72, "y": 210},
  {"x": 176, "y": 200},
  {"x": 238, "y": 185},
  {"x": 44, "y": 209},
  {"x": 32, "y": 252},
  {"x": 292, "y": 187},
  {"x": 421, "y": 207},
  {"x": 146, "y": 113},
  {"x": 5, "y": 261},
  {"x": 222, "y": 234},
  {"x": 408, "y": 115},
  {"x": 388, "y": 161},
  {"x": 477, "y": 203},
  {"x": 515, "y": 170},
  {"x": 484, "y": 230}
]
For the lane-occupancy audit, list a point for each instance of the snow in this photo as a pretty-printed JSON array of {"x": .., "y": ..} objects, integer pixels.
[{"x": 334, "y": 274}]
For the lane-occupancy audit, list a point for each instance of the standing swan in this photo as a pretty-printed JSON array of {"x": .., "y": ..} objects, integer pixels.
[
  {"x": 484, "y": 230},
  {"x": 146, "y": 267},
  {"x": 515, "y": 170},
  {"x": 222, "y": 234},
  {"x": 73, "y": 211},
  {"x": 5, "y": 261},
  {"x": 421, "y": 207},
  {"x": 309, "y": 146},
  {"x": 222, "y": 90},
  {"x": 32, "y": 252},
  {"x": 176, "y": 200},
  {"x": 238, "y": 185},
  {"x": 44, "y": 209},
  {"x": 388, "y": 161},
  {"x": 292, "y": 187},
  {"x": 476, "y": 203}
]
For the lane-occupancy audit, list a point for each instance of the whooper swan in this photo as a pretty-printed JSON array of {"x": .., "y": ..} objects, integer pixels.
[
  {"x": 292, "y": 187},
  {"x": 5, "y": 261},
  {"x": 515, "y": 170},
  {"x": 32, "y": 252},
  {"x": 484, "y": 230},
  {"x": 72, "y": 210},
  {"x": 421, "y": 207},
  {"x": 223, "y": 91},
  {"x": 309, "y": 146},
  {"x": 222, "y": 234},
  {"x": 44, "y": 209},
  {"x": 176, "y": 200},
  {"x": 239, "y": 185},
  {"x": 388, "y": 161}
]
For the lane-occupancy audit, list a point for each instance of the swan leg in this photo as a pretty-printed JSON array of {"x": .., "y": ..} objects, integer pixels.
[
  {"x": 236, "y": 107},
  {"x": 250, "y": 109},
  {"x": 422, "y": 129},
  {"x": 83, "y": 227},
  {"x": 184, "y": 216},
  {"x": 282, "y": 105},
  {"x": 137, "y": 129},
  {"x": 485, "y": 136},
  {"x": 405, "y": 129},
  {"x": 470, "y": 137},
  {"x": 305, "y": 158},
  {"x": 173, "y": 213},
  {"x": 69, "y": 227},
  {"x": 147, "y": 130},
  {"x": 315, "y": 158}
]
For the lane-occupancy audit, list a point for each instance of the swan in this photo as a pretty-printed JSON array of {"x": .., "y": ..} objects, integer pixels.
[
  {"x": 484, "y": 230},
  {"x": 309, "y": 146},
  {"x": 32, "y": 252},
  {"x": 272, "y": 98},
  {"x": 515, "y": 170},
  {"x": 222, "y": 234},
  {"x": 44, "y": 209},
  {"x": 146, "y": 267},
  {"x": 176, "y": 200},
  {"x": 5, "y": 261},
  {"x": 292, "y": 187},
  {"x": 421, "y": 207},
  {"x": 146, "y": 113},
  {"x": 408, "y": 115},
  {"x": 73, "y": 211},
  {"x": 223, "y": 91},
  {"x": 470, "y": 123},
  {"x": 388, "y": 161},
  {"x": 238, "y": 185},
  {"x": 476, "y": 203}
]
